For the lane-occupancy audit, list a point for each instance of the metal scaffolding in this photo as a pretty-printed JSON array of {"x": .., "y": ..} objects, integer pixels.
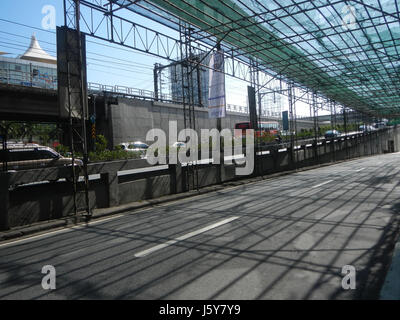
[
  {"x": 303, "y": 50},
  {"x": 76, "y": 99},
  {"x": 101, "y": 20}
]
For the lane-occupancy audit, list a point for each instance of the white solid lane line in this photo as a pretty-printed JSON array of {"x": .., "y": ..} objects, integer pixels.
[
  {"x": 59, "y": 231},
  {"x": 321, "y": 184},
  {"x": 184, "y": 237}
]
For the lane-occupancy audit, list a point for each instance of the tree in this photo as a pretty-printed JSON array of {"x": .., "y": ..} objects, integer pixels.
[{"x": 101, "y": 143}]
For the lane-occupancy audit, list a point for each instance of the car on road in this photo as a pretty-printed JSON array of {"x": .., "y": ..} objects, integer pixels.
[
  {"x": 380, "y": 125},
  {"x": 134, "y": 146},
  {"x": 366, "y": 128},
  {"x": 32, "y": 156},
  {"x": 332, "y": 134},
  {"x": 179, "y": 145},
  {"x": 137, "y": 146}
]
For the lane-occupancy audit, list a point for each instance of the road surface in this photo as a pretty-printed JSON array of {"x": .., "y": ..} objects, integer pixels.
[{"x": 282, "y": 238}]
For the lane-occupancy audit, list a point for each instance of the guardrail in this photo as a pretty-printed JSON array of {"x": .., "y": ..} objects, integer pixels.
[{"x": 120, "y": 90}]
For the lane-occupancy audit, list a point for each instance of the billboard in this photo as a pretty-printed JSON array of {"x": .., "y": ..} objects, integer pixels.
[
  {"x": 69, "y": 73},
  {"x": 285, "y": 120}
]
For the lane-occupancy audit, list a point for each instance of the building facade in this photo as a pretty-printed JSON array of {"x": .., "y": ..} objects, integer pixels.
[
  {"x": 35, "y": 68},
  {"x": 198, "y": 78}
]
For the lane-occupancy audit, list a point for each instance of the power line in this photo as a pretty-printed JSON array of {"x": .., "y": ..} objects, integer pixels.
[
  {"x": 90, "y": 41},
  {"x": 139, "y": 65},
  {"x": 123, "y": 64},
  {"x": 148, "y": 83},
  {"x": 24, "y": 25},
  {"x": 12, "y": 46},
  {"x": 100, "y": 65}
]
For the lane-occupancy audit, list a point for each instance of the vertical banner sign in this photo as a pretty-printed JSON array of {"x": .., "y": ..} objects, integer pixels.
[
  {"x": 285, "y": 120},
  {"x": 216, "y": 89},
  {"x": 251, "y": 94}
]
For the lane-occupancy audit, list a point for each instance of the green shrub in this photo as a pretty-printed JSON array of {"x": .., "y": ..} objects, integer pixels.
[
  {"x": 112, "y": 155},
  {"x": 101, "y": 143},
  {"x": 63, "y": 150}
]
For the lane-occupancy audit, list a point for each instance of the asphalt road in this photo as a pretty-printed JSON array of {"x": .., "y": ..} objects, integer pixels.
[{"x": 282, "y": 238}]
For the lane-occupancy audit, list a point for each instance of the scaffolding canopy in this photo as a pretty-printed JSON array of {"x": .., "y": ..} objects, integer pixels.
[{"x": 347, "y": 51}]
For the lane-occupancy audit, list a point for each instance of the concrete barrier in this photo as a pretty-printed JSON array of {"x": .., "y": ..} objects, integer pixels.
[{"x": 40, "y": 200}]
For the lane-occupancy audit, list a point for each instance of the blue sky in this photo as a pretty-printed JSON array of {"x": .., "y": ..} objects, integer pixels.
[
  {"x": 131, "y": 69},
  {"x": 107, "y": 64}
]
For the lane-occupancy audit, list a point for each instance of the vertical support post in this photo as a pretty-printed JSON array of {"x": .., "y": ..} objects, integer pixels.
[
  {"x": 111, "y": 20},
  {"x": 65, "y": 12},
  {"x": 332, "y": 146},
  {"x": 84, "y": 115},
  {"x": 199, "y": 87},
  {"x": 220, "y": 167},
  {"x": 112, "y": 187},
  {"x": 253, "y": 117},
  {"x": 175, "y": 178},
  {"x": 71, "y": 57},
  {"x": 185, "y": 33},
  {"x": 259, "y": 167},
  {"x": 155, "y": 75},
  {"x": 94, "y": 121},
  {"x": 291, "y": 124},
  {"x": 334, "y": 114},
  {"x": 315, "y": 115},
  {"x": 4, "y": 134},
  {"x": 182, "y": 65},
  {"x": 4, "y": 200},
  {"x": 345, "y": 131}
]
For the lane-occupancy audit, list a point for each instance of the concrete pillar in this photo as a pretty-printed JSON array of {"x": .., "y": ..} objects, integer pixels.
[
  {"x": 111, "y": 182},
  {"x": 291, "y": 160},
  {"x": 275, "y": 156},
  {"x": 4, "y": 201},
  {"x": 176, "y": 182},
  {"x": 222, "y": 173}
]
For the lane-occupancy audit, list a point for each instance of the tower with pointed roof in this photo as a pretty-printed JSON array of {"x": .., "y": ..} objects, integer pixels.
[{"x": 36, "y": 53}]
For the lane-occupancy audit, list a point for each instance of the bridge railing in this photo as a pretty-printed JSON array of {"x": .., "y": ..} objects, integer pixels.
[
  {"x": 48, "y": 82},
  {"x": 92, "y": 86}
]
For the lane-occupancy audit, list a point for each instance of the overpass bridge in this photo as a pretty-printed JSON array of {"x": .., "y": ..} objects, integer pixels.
[{"x": 123, "y": 113}]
